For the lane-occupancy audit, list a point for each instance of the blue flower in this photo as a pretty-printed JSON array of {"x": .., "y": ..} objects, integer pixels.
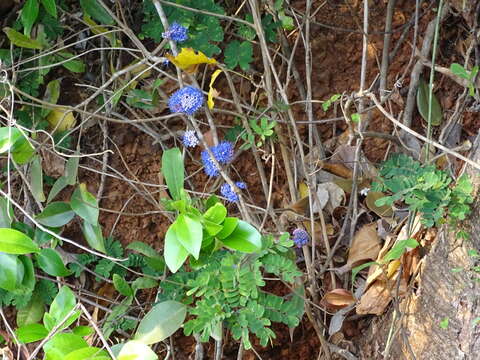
[
  {"x": 186, "y": 100},
  {"x": 189, "y": 139},
  {"x": 176, "y": 32},
  {"x": 227, "y": 191},
  {"x": 300, "y": 237},
  {"x": 223, "y": 153}
]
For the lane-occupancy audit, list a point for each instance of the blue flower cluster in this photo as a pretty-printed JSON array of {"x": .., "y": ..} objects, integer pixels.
[
  {"x": 300, "y": 237},
  {"x": 227, "y": 191},
  {"x": 189, "y": 139},
  {"x": 186, "y": 100},
  {"x": 223, "y": 153},
  {"x": 176, "y": 32}
]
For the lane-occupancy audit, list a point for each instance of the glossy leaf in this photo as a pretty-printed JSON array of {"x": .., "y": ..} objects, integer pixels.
[
  {"x": 244, "y": 238},
  {"x": 61, "y": 306},
  {"x": 50, "y": 262},
  {"x": 136, "y": 350},
  {"x": 8, "y": 137},
  {"x": 15, "y": 242},
  {"x": 22, "y": 151},
  {"x": 28, "y": 282},
  {"x": 31, "y": 333},
  {"x": 121, "y": 285},
  {"x": 229, "y": 225},
  {"x": 216, "y": 213},
  {"x": 36, "y": 178},
  {"x": 399, "y": 248},
  {"x": 142, "y": 248},
  {"x": 423, "y": 104},
  {"x": 160, "y": 322},
  {"x": 56, "y": 214},
  {"x": 63, "y": 344},
  {"x": 11, "y": 271},
  {"x": 93, "y": 235},
  {"x": 189, "y": 233},
  {"x": 21, "y": 40},
  {"x": 32, "y": 313},
  {"x": 175, "y": 254},
  {"x": 143, "y": 283},
  {"x": 29, "y": 15},
  {"x": 172, "y": 170},
  {"x": 87, "y": 353},
  {"x": 83, "y": 330},
  {"x": 85, "y": 204}
]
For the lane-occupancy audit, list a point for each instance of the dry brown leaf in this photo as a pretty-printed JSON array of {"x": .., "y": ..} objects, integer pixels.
[
  {"x": 339, "y": 298},
  {"x": 330, "y": 196},
  {"x": 382, "y": 211},
  {"x": 338, "y": 169},
  {"x": 376, "y": 299},
  {"x": 365, "y": 245}
]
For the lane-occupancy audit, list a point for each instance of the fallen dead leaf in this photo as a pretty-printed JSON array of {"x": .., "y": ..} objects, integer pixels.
[
  {"x": 365, "y": 245},
  {"x": 330, "y": 196},
  {"x": 376, "y": 299},
  {"x": 382, "y": 211},
  {"x": 339, "y": 298}
]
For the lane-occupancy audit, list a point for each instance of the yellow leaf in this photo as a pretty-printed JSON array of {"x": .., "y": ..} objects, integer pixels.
[
  {"x": 188, "y": 59},
  {"x": 61, "y": 119},
  {"x": 303, "y": 190},
  {"x": 213, "y": 92}
]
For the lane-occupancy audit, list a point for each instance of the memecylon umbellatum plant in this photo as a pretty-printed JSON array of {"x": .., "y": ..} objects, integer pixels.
[
  {"x": 223, "y": 153},
  {"x": 189, "y": 139},
  {"x": 300, "y": 237},
  {"x": 176, "y": 32},
  {"x": 227, "y": 191}
]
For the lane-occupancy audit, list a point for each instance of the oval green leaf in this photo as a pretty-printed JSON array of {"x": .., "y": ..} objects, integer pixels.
[
  {"x": 93, "y": 235},
  {"x": 56, "y": 214},
  {"x": 229, "y": 225},
  {"x": 11, "y": 271},
  {"x": 31, "y": 333},
  {"x": 121, "y": 285},
  {"x": 422, "y": 104},
  {"x": 172, "y": 170},
  {"x": 160, "y": 322},
  {"x": 15, "y": 242},
  {"x": 174, "y": 253},
  {"x": 244, "y": 238},
  {"x": 189, "y": 233},
  {"x": 216, "y": 213},
  {"x": 50, "y": 261},
  {"x": 21, "y": 40},
  {"x": 63, "y": 344},
  {"x": 85, "y": 204},
  {"x": 136, "y": 350}
]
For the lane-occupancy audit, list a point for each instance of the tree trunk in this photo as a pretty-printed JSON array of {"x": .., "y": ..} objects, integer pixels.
[{"x": 443, "y": 292}]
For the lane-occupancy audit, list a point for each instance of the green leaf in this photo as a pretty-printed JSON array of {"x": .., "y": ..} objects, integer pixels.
[
  {"x": 29, "y": 15},
  {"x": 136, "y": 350},
  {"x": 93, "y": 235},
  {"x": 229, "y": 225},
  {"x": 58, "y": 186},
  {"x": 6, "y": 213},
  {"x": 50, "y": 261},
  {"x": 36, "y": 177},
  {"x": 173, "y": 171},
  {"x": 121, "y": 285},
  {"x": 244, "y": 238},
  {"x": 142, "y": 248},
  {"x": 85, "y": 204},
  {"x": 238, "y": 53},
  {"x": 71, "y": 170},
  {"x": 143, "y": 283},
  {"x": 88, "y": 353},
  {"x": 52, "y": 93},
  {"x": 32, "y": 313},
  {"x": 359, "y": 268},
  {"x": 160, "y": 322},
  {"x": 15, "y": 242},
  {"x": 83, "y": 330},
  {"x": 56, "y": 214},
  {"x": 50, "y": 6},
  {"x": 399, "y": 248},
  {"x": 28, "y": 281},
  {"x": 11, "y": 271},
  {"x": 21, "y": 40},
  {"x": 423, "y": 104},
  {"x": 460, "y": 71},
  {"x": 96, "y": 11},
  {"x": 22, "y": 151},
  {"x": 216, "y": 213},
  {"x": 189, "y": 233},
  {"x": 61, "y": 306},
  {"x": 175, "y": 254},
  {"x": 74, "y": 65},
  {"x": 8, "y": 137},
  {"x": 212, "y": 228},
  {"x": 31, "y": 333},
  {"x": 63, "y": 344}
]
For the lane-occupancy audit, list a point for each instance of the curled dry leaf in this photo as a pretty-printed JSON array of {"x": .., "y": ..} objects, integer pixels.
[
  {"x": 330, "y": 196},
  {"x": 365, "y": 245},
  {"x": 339, "y": 298},
  {"x": 378, "y": 296}
]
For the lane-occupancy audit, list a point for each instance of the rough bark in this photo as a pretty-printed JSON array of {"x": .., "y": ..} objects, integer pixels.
[{"x": 440, "y": 293}]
